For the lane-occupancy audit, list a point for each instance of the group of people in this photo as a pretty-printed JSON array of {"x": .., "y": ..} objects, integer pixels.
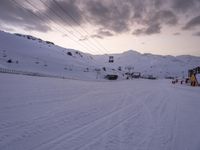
[
  {"x": 181, "y": 81},
  {"x": 191, "y": 81}
]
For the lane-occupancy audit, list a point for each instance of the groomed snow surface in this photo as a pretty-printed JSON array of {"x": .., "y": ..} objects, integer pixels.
[{"x": 59, "y": 114}]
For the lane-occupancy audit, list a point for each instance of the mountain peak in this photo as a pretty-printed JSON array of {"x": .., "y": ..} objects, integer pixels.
[{"x": 132, "y": 52}]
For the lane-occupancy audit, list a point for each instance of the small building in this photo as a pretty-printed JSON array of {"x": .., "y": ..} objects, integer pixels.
[
  {"x": 146, "y": 76},
  {"x": 193, "y": 71},
  {"x": 111, "y": 77},
  {"x": 131, "y": 75},
  {"x": 136, "y": 75}
]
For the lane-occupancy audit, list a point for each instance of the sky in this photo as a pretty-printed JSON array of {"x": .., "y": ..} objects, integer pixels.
[{"x": 165, "y": 27}]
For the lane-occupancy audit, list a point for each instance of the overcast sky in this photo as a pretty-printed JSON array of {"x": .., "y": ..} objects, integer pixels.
[{"x": 166, "y": 27}]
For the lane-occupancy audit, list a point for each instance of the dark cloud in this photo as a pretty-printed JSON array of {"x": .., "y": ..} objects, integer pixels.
[
  {"x": 184, "y": 5},
  {"x": 109, "y": 17},
  {"x": 127, "y": 15},
  {"x": 155, "y": 21},
  {"x": 102, "y": 33},
  {"x": 152, "y": 29},
  {"x": 105, "y": 32},
  {"x": 97, "y": 36},
  {"x": 83, "y": 38},
  {"x": 13, "y": 13},
  {"x": 166, "y": 17},
  {"x": 139, "y": 31},
  {"x": 159, "y": 3},
  {"x": 176, "y": 34},
  {"x": 197, "y": 34},
  {"x": 138, "y": 8},
  {"x": 66, "y": 12},
  {"x": 194, "y": 22}
]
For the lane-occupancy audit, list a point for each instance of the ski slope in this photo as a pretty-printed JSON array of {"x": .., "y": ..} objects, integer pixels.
[
  {"x": 60, "y": 114},
  {"x": 32, "y": 54}
]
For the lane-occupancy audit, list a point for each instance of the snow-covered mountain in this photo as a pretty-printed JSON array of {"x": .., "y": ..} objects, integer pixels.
[
  {"x": 27, "y": 53},
  {"x": 149, "y": 64}
]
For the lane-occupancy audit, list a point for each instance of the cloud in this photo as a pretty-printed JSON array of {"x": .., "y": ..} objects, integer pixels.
[
  {"x": 105, "y": 32},
  {"x": 66, "y": 12},
  {"x": 152, "y": 29},
  {"x": 163, "y": 12},
  {"x": 153, "y": 24},
  {"x": 166, "y": 17},
  {"x": 102, "y": 33},
  {"x": 97, "y": 36},
  {"x": 197, "y": 34},
  {"x": 184, "y": 5},
  {"x": 15, "y": 14},
  {"x": 109, "y": 17},
  {"x": 176, "y": 34},
  {"x": 128, "y": 15},
  {"x": 194, "y": 22},
  {"x": 85, "y": 38}
]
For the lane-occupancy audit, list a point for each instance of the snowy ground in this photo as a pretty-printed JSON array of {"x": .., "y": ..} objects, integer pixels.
[{"x": 57, "y": 114}]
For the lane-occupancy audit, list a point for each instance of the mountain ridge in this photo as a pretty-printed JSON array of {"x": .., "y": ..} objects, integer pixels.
[{"x": 35, "y": 54}]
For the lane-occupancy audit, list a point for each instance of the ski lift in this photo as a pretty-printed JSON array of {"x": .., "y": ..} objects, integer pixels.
[{"x": 111, "y": 59}]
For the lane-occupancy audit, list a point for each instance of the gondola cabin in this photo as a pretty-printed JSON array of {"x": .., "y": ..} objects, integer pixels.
[{"x": 111, "y": 59}]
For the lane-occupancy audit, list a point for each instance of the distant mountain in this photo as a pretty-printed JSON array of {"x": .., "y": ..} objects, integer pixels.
[
  {"x": 149, "y": 64},
  {"x": 28, "y": 53}
]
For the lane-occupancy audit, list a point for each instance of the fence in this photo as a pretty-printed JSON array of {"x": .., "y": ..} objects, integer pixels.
[{"x": 12, "y": 71}]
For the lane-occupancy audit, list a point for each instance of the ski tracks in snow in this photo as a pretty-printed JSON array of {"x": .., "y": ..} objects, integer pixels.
[
  {"x": 112, "y": 116},
  {"x": 116, "y": 130},
  {"x": 112, "y": 124}
]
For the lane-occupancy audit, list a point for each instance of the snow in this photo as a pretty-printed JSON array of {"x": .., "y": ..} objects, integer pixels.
[
  {"x": 31, "y": 54},
  {"x": 59, "y": 114},
  {"x": 38, "y": 56},
  {"x": 149, "y": 64}
]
